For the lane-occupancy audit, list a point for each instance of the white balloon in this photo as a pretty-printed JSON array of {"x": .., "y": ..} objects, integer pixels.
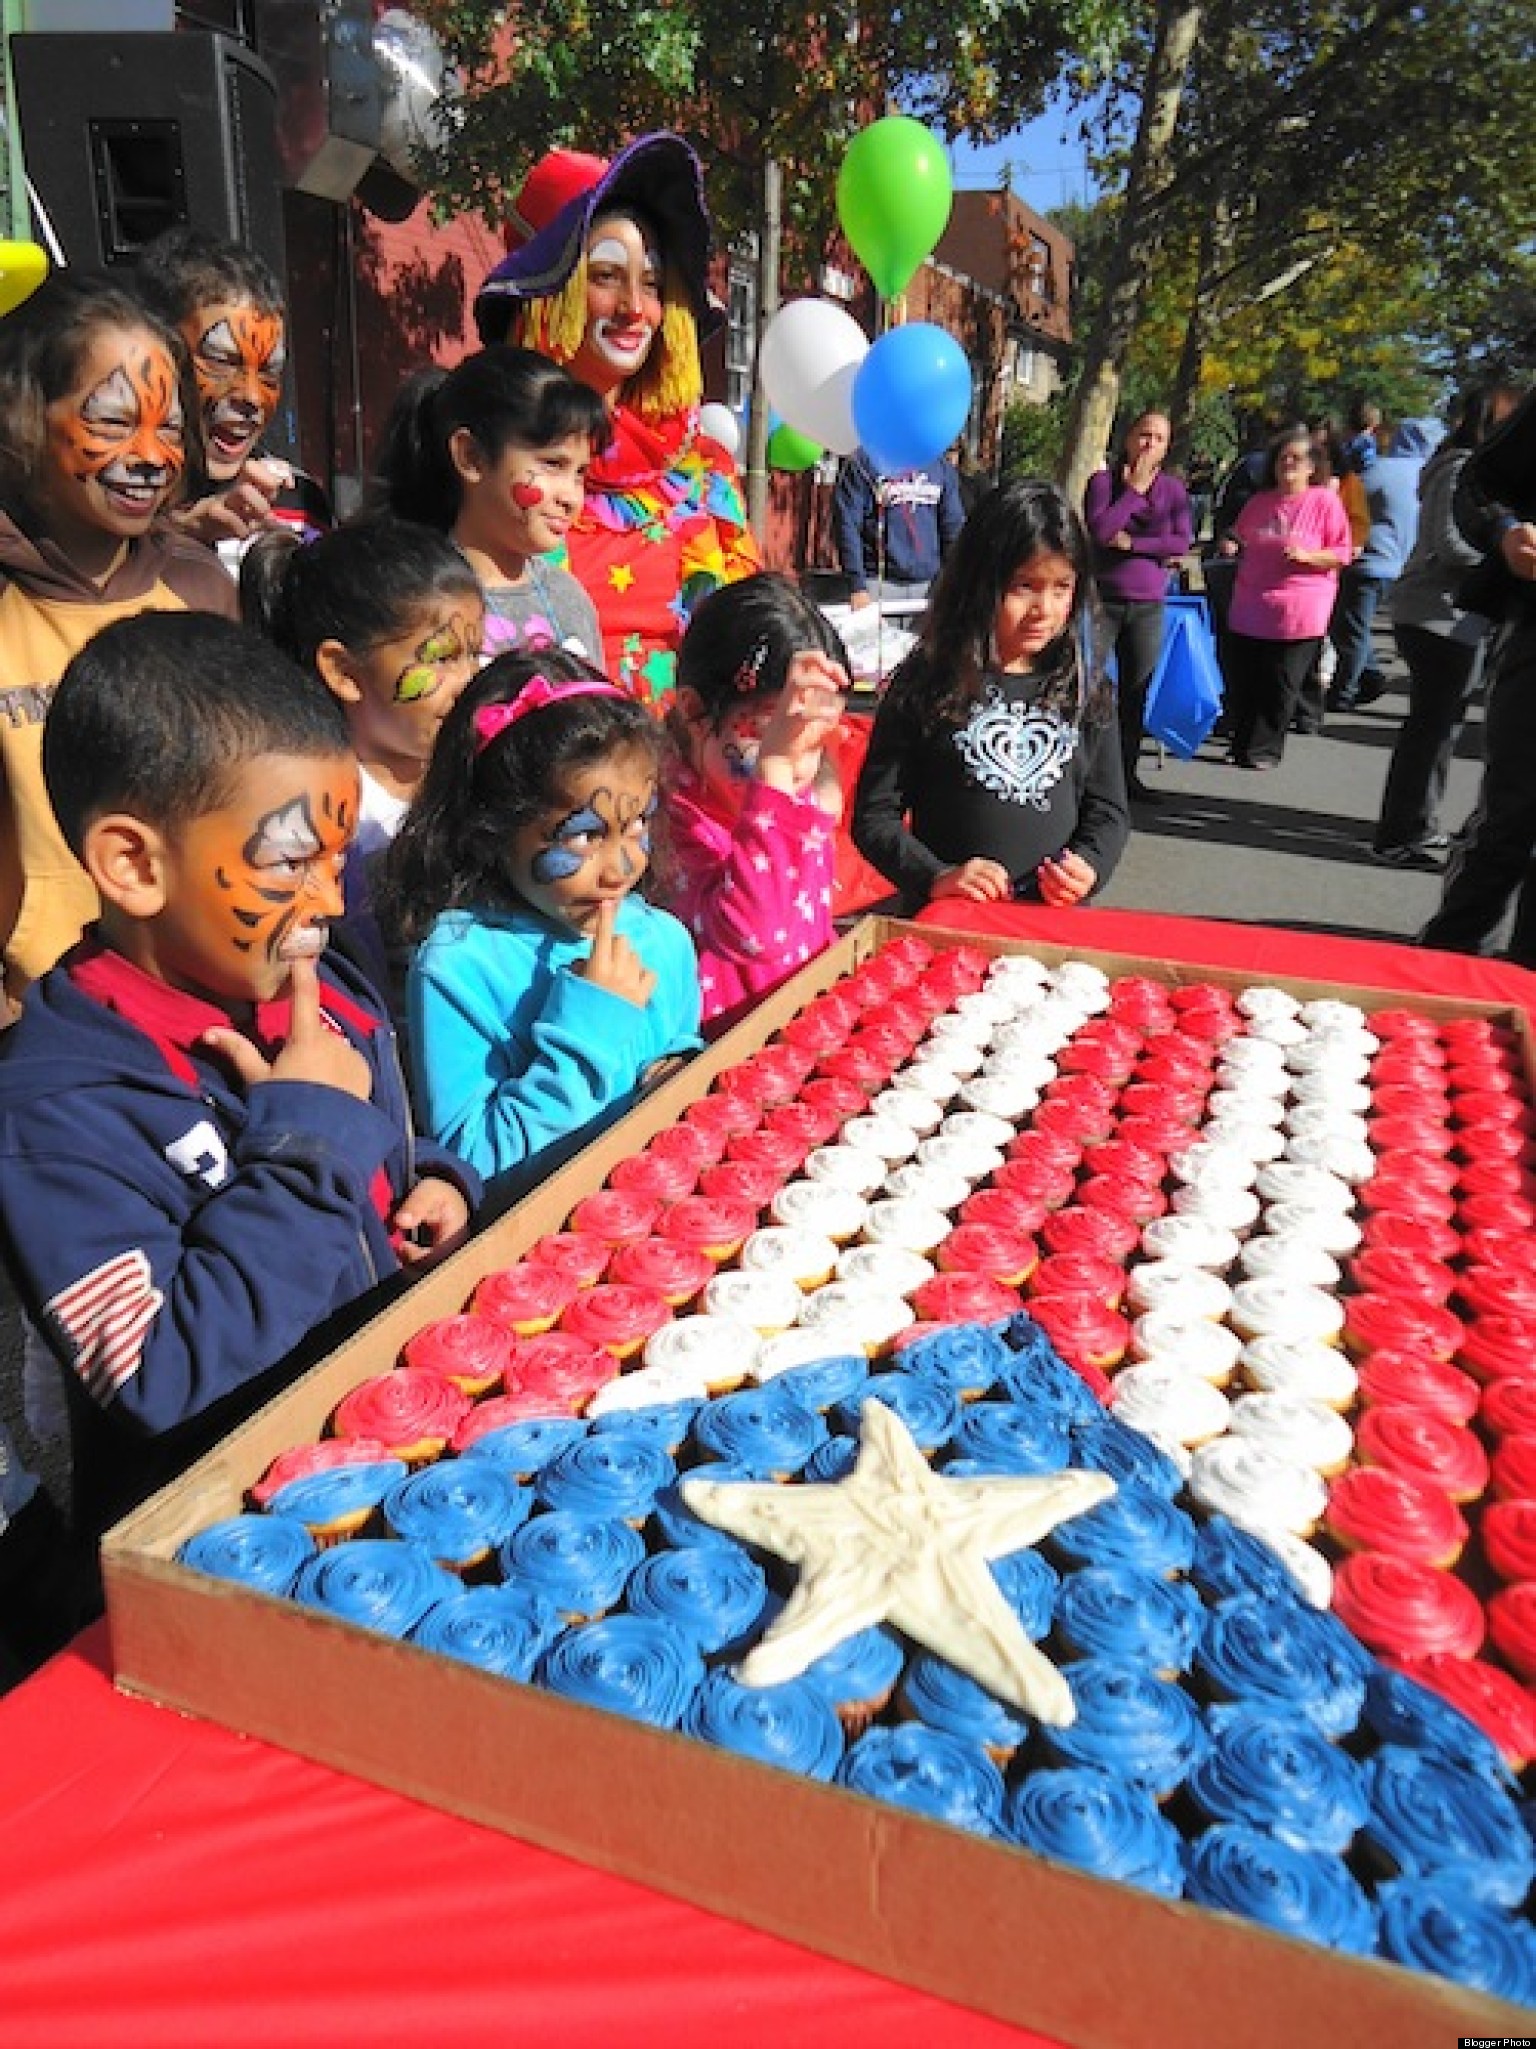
[
  {"x": 722, "y": 425},
  {"x": 811, "y": 354}
]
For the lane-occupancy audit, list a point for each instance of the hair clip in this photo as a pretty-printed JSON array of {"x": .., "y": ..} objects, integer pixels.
[
  {"x": 492, "y": 720},
  {"x": 748, "y": 676}
]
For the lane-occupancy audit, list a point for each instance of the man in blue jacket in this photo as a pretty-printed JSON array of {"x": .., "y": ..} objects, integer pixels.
[
  {"x": 892, "y": 532},
  {"x": 1392, "y": 497}
]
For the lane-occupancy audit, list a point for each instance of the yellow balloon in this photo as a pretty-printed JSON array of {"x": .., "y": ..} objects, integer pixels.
[{"x": 23, "y": 266}]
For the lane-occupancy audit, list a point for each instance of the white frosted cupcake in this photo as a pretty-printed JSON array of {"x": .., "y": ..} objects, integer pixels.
[
  {"x": 1190, "y": 1241},
  {"x": 1214, "y": 1165},
  {"x": 938, "y": 1187},
  {"x": 1250, "y": 1057},
  {"x": 931, "y": 1077},
  {"x": 1276, "y": 1309},
  {"x": 1352, "y": 1160},
  {"x": 959, "y": 1042},
  {"x": 1332, "y": 1014},
  {"x": 1263, "y": 1000},
  {"x": 985, "y": 1006},
  {"x": 1022, "y": 1064},
  {"x": 1253, "y": 1137},
  {"x": 807, "y": 1257},
  {"x": 765, "y": 1302},
  {"x": 719, "y": 1351},
  {"x": 1352, "y": 1097},
  {"x": 855, "y": 1317},
  {"x": 1305, "y": 1563},
  {"x": 1280, "y": 1031},
  {"x": 1172, "y": 1406},
  {"x": 978, "y": 1127},
  {"x": 1299, "y": 1181},
  {"x": 1328, "y": 1120},
  {"x": 846, "y": 1166},
  {"x": 967, "y": 1156},
  {"x": 1305, "y": 1368},
  {"x": 1268, "y": 1258},
  {"x": 1183, "y": 1292},
  {"x": 888, "y": 1269},
  {"x": 1333, "y": 1229},
  {"x": 1306, "y": 1433},
  {"x": 1237, "y": 1477},
  {"x": 912, "y": 1107},
  {"x": 1194, "y": 1344},
  {"x": 649, "y": 1387},
  {"x": 820, "y": 1206},
  {"x": 797, "y": 1347},
  {"x": 898, "y": 1220},
  {"x": 1332, "y": 1051},
  {"x": 1000, "y": 1097},
  {"x": 1017, "y": 972},
  {"x": 887, "y": 1137},
  {"x": 1082, "y": 981},
  {"x": 1247, "y": 1101},
  {"x": 1217, "y": 1202}
]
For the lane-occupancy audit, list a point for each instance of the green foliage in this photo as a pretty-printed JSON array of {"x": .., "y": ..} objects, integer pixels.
[{"x": 1033, "y": 437}]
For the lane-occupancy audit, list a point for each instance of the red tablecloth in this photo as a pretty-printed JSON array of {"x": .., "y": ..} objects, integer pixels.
[{"x": 164, "y": 1881}]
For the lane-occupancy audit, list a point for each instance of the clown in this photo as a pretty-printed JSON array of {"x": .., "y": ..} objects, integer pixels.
[{"x": 608, "y": 276}]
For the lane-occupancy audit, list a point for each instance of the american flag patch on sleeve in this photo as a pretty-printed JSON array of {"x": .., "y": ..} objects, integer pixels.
[{"x": 106, "y": 1316}]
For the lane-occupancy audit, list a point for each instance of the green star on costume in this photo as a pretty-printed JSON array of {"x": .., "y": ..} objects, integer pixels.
[{"x": 896, "y": 1542}]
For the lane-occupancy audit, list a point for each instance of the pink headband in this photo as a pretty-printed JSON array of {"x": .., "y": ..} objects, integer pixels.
[{"x": 492, "y": 720}]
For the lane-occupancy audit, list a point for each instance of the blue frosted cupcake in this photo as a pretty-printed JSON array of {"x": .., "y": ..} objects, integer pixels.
[
  {"x": 458, "y": 1510},
  {"x": 715, "y": 1594},
  {"x": 1106, "y": 1445},
  {"x": 822, "y": 1383},
  {"x": 337, "y": 1504},
  {"x": 1285, "y": 1656},
  {"x": 1119, "y": 1611},
  {"x": 665, "y": 1424},
  {"x": 614, "y": 1473},
  {"x": 497, "y": 1629},
  {"x": 1399, "y": 1710},
  {"x": 376, "y": 1582},
  {"x": 1030, "y": 1585},
  {"x": 1136, "y": 1526},
  {"x": 1140, "y": 1728},
  {"x": 936, "y": 1693},
  {"x": 1035, "y": 1368},
  {"x": 529, "y": 1444},
  {"x": 858, "y": 1676},
  {"x": 1099, "y": 1822},
  {"x": 1276, "y": 1771},
  {"x": 578, "y": 1562},
  {"x": 632, "y": 1665},
  {"x": 967, "y": 1358},
  {"x": 1012, "y": 1437},
  {"x": 676, "y": 1522},
  {"x": 832, "y": 1461},
  {"x": 263, "y": 1552},
  {"x": 766, "y": 1429},
  {"x": 928, "y": 1408},
  {"x": 1230, "y": 1561},
  {"x": 1433, "y": 1818},
  {"x": 929, "y": 1773},
  {"x": 1436, "y": 1928},
  {"x": 1300, "y": 1892},
  {"x": 790, "y": 1725}
]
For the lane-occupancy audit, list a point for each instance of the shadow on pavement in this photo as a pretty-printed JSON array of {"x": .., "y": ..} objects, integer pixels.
[{"x": 1268, "y": 828}]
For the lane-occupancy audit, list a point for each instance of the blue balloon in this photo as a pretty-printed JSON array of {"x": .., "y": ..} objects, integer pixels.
[{"x": 911, "y": 396}]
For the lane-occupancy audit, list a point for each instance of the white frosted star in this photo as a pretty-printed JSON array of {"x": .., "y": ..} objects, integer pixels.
[
  {"x": 763, "y": 863},
  {"x": 805, "y": 906},
  {"x": 896, "y": 1542}
]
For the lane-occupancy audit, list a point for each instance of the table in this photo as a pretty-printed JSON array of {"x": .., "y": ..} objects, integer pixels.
[{"x": 164, "y": 1880}]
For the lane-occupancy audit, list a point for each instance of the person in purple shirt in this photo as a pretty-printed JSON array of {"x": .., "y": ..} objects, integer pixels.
[{"x": 1138, "y": 519}]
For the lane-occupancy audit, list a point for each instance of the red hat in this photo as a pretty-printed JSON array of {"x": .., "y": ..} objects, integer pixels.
[{"x": 658, "y": 175}]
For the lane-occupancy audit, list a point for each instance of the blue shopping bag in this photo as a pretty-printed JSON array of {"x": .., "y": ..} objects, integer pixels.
[{"x": 1184, "y": 696}]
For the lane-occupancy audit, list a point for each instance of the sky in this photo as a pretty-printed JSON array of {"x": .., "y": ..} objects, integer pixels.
[{"x": 1049, "y": 163}]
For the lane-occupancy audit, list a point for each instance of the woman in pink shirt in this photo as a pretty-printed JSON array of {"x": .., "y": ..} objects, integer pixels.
[
  {"x": 747, "y": 849},
  {"x": 1292, "y": 539}
]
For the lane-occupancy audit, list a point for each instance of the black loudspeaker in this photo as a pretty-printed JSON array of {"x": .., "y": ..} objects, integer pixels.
[{"x": 127, "y": 135}]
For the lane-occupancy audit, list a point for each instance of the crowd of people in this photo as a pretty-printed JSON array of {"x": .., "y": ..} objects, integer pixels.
[{"x": 529, "y": 768}]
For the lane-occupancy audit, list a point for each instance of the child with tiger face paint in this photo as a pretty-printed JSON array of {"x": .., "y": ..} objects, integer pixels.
[{"x": 94, "y": 457}]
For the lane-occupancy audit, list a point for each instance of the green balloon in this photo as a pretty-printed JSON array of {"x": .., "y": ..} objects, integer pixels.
[
  {"x": 788, "y": 450},
  {"x": 893, "y": 199}
]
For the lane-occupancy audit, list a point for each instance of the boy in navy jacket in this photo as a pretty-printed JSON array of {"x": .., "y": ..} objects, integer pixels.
[{"x": 205, "y": 1146}]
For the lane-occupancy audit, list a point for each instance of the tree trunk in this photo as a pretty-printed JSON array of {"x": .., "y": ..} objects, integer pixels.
[
  {"x": 1214, "y": 257},
  {"x": 1092, "y": 417},
  {"x": 770, "y": 240}
]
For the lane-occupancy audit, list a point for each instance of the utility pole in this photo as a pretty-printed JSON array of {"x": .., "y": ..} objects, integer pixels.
[
  {"x": 770, "y": 241},
  {"x": 17, "y": 214}
]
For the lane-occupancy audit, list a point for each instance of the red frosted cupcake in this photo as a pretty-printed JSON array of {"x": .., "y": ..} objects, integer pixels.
[
  {"x": 1508, "y": 1534},
  {"x": 691, "y": 1142},
  {"x": 676, "y": 1272},
  {"x": 1389, "y": 1230},
  {"x": 1428, "y": 1172},
  {"x": 1159, "y": 1100},
  {"x": 964, "y": 1298},
  {"x": 957, "y": 971},
  {"x": 1088, "y": 1091},
  {"x": 526, "y": 1298},
  {"x": 722, "y": 1117},
  {"x": 717, "y": 1227},
  {"x": 807, "y": 1123},
  {"x": 1084, "y": 1332},
  {"x": 1495, "y": 1187},
  {"x": 741, "y": 1181},
  {"x": 1082, "y": 1122},
  {"x": 1498, "y": 1291},
  {"x": 1514, "y": 1469},
  {"x": 1380, "y": 1271},
  {"x": 1176, "y": 1063},
  {"x": 1132, "y": 1162},
  {"x": 1426, "y": 1448},
  {"x": 1081, "y": 1273},
  {"x": 1412, "y": 1380},
  {"x": 1481, "y": 1110},
  {"x": 1162, "y": 1135},
  {"x": 1497, "y": 1244},
  {"x": 1005, "y": 1209},
  {"x": 777, "y": 1151},
  {"x": 1501, "y": 1707},
  {"x": 560, "y": 1370},
  {"x": 1406, "y": 1610},
  {"x": 1494, "y": 1346},
  {"x": 304, "y": 1460},
  {"x": 1392, "y": 1023},
  {"x": 616, "y": 1217},
  {"x": 413, "y": 1414},
  {"x": 820, "y": 1028},
  {"x": 1036, "y": 1147},
  {"x": 857, "y": 1063},
  {"x": 471, "y": 1351},
  {"x": 1371, "y": 1508},
  {"x": 1212, "y": 1023},
  {"x": 1512, "y": 1627},
  {"x": 1403, "y": 1099},
  {"x": 1099, "y": 1231},
  {"x": 1408, "y": 1195},
  {"x": 987, "y": 1250},
  {"x": 572, "y": 1252},
  {"x": 1035, "y": 1179},
  {"x": 768, "y": 1077},
  {"x": 619, "y": 1319},
  {"x": 1381, "y": 1323},
  {"x": 1108, "y": 1059},
  {"x": 665, "y": 1176},
  {"x": 1121, "y": 1196},
  {"x": 1412, "y": 1131},
  {"x": 1509, "y": 1405}
]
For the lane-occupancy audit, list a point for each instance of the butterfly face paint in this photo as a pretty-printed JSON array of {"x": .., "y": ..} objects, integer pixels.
[
  {"x": 408, "y": 685},
  {"x": 114, "y": 446},
  {"x": 725, "y": 756},
  {"x": 567, "y": 864},
  {"x": 239, "y": 353},
  {"x": 254, "y": 884}
]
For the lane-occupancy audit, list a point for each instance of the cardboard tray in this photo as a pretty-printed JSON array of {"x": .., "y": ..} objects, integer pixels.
[{"x": 1097, "y": 1965}]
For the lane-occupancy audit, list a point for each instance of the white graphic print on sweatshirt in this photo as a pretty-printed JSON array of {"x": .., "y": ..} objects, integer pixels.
[{"x": 1016, "y": 751}]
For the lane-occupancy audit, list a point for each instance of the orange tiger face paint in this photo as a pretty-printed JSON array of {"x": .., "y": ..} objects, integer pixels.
[
  {"x": 238, "y": 356},
  {"x": 115, "y": 446}
]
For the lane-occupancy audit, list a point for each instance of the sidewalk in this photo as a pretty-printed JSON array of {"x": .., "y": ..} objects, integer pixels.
[{"x": 1290, "y": 848}]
